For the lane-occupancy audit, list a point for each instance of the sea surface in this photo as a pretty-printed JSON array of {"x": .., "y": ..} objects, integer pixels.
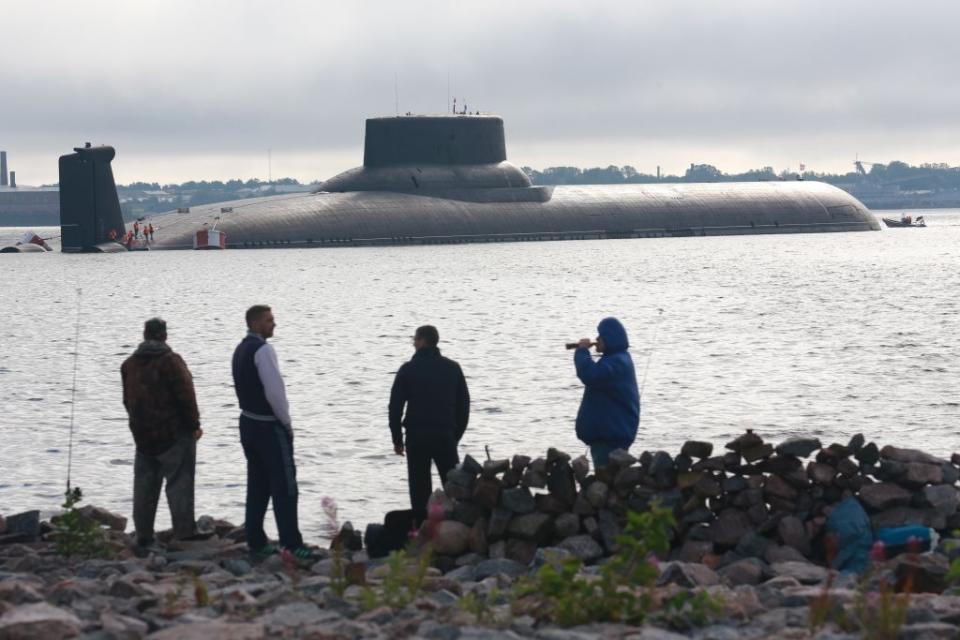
[{"x": 821, "y": 334}]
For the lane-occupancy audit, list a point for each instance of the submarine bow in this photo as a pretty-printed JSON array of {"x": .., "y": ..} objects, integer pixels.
[{"x": 446, "y": 179}]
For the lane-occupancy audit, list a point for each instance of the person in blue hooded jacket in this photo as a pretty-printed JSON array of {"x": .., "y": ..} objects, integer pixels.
[{"x": 610, "y": 410}]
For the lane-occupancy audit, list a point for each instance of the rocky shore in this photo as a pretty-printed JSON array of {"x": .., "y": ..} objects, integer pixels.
[{"x": 747, "y": 537}]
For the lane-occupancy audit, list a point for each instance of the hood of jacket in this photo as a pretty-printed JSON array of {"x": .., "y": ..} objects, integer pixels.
[
  {"x": 614, "y": 335},
  {"x": 151, "y": 349}
]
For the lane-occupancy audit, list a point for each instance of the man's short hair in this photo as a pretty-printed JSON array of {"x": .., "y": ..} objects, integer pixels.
[
  {"x": 429, "y": 333},
  {"x": 155, "y": 329},
  {"x": 254, "y": 313}
]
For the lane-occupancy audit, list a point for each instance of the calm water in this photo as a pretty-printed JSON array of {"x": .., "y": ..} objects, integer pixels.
[{"x": 828, "y": 334}]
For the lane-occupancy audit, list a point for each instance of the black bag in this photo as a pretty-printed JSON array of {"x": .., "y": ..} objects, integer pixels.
[{"x": 393, "y": 534}]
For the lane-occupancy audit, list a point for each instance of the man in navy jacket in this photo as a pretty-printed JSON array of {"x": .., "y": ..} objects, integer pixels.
[{"x": 610, "y": 410}]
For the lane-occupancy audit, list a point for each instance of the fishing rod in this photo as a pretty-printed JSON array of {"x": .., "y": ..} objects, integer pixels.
[
  {"x": 73, "y": 390},
  {"x": 653, "y": 346}
]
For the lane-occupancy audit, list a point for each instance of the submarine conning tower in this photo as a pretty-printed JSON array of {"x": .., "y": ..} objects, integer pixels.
[{"x": 433, "y": 155}]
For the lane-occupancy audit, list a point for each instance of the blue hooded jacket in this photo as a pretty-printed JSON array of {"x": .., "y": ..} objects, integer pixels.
[{"x": 610, "y": 409}]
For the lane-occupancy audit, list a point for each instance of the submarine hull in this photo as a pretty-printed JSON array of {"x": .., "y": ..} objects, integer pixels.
[{"x": 522, "y": 214}]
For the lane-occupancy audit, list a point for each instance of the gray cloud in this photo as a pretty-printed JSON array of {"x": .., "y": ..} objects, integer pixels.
[{"x": 738, "y": 84}]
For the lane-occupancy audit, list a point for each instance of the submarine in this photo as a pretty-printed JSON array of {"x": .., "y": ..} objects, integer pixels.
[{"x": 446, "y": 180}]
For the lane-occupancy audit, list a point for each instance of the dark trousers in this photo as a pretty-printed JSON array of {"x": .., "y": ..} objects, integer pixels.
[
  {"x": 177, "y": 466},
  {"x": 271, "y": 475},
  {"x": 422, "y": 450}
]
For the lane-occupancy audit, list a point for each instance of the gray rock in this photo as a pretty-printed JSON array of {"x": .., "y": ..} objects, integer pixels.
[
  {"x": 596, "y": 494},
  {"x": 459, "y": 484},
  {"x": 555, "y": 455},
  {"x": 687, "y": 575},
  {"x": 452, "y": 538},
  {"x": 856, "y": 443},
  {"x": 745, "y": 571},
  {"x": 910, "y": 455},
  {"x": 532, "y": 526},
  {"x": 798, "y": 447},
  {"x": 804, "y": 572},
  {"x": 943, "y": 498},
  {"x": 884, "y": 495},
  {"x": 496, "y": 566},
  {"x": 661, "y": 463},
  {"x": 470, "y": 465},
  {"x": 930, "y": 631},
  {"x": 777, "y": 487},
  {"x": 115, "y": 521},
  {"x": 697, "y": 449},
  {"x": 566, "y": 525},
  {"x": 38, "y": 620},
  {"x": 581, "y": 468},
  {"x": 621, "y": 458},
  {"x": 463, "y": 574},
  {"x": 296, "y": 615},
  {"x": 212, "y": 630},
  {"x": 752, "y": 545},
  {"x": 534, "y": 479},
  {"x": 499, "y": 519},
  {"x": 491, "y": 468},
  {"x": 793, "y": 533},
  {"x": 730, "y": 527},
  {"x": 20, "y": 591},
  {"x": 821, "y": 473},
  {"x": 777, "y": 553},
  {"x": 919, "y": 474},
  {"x": 583, "y": 546},
  {"x": 560, "y": 482},
  {"x": 869, "y": 454},
  {"x": 900, "y": 516},
  {"x": 518, "y": 500},
  {"x": 237, "y": 566},
  {"x": 120, "y": 627},
  {"x": 26, "y": 524},
  {"x": 694, "y": 550}
]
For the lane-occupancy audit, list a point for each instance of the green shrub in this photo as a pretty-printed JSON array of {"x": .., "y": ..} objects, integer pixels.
[{"x": 75, "y": 535}]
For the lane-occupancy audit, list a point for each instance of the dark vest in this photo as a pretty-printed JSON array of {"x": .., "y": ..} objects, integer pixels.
[{"x": 246, "y": 378}]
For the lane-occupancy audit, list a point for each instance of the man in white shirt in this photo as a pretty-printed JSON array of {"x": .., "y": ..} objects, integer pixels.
[{"x": 266, "y": 433}]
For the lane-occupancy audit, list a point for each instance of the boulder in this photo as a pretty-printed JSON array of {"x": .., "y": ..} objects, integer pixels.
[
  {"x": 470, "y": 465},
  {"x": 900, "y": 516},
  {"x": 114, "y": 521},
  {"x": 518, "y": 500},
  {"x": 884, "y": 495},
  {"x": 20, "y": 591},
  {"x": 921, "y": 573},
  {"x": 697, "y": 449},
  {"x": 522, "y": 551},
  {"x": 943, "y": 498},
  {"x": 821, "y": 473},
  {"x": 909, "y": 455},
  {"x": 798, "y": 447},
  {"x": 26, "y": 524},
  {"x": 745, "y": 571},
  {"x": 776, "y": 553},
  {"x": 596, "y": 494},
  {"x": 581, "y": 468},
  {"x": 212, "y": 630},
  {"x": 532, "y": 526},
  {"x": 694, "y": 550},
  {"x": 583, "y": 547},
  {"x": 804, "y": 572},
  {"x": 777, "y": 487},
  {"x": 492, "y": 468},
  {"x": 793, "y": 533},
  {"x": 566, "y": 525},
  {"x": 460, "y": 483},
  {"x": 687, "y": 575},
  {"x": 868, "y": 455},
  {"x": 758, "y": 452},
  {"x": 499, "y": 519},
  {"x": 452, "y": 538},
  {"x": 856, "y": 443},
  {"x": 730, "y": 527},
  {"x": 487, "y": 492},
  {"x": 38, "y": 620},
  {"x": 752, "y": 545},
  {"x": 496, "y": 566},
  {"x": 560, "y": 482},
  {"x": 621, "y": 458},
  {"x": 120, "y": 627},
  {"x": 748, "y": 439},
  {"x": 920, "y": 473}
]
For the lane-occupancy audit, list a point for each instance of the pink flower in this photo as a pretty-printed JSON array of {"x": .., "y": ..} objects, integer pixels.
[{"x": 878, "y": 553}]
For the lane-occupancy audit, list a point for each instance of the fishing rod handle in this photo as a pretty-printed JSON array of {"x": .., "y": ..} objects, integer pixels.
[{"x": 574, "y": 345}]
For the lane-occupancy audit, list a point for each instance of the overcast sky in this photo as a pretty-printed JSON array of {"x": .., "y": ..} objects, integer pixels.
[{"x": 202, "y": 89}]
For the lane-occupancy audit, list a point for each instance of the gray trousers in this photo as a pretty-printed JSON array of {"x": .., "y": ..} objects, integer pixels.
[{"x": 176, "y": 465}]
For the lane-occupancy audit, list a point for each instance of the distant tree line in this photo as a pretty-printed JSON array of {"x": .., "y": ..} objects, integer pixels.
[{"x": 928, "y": 176}]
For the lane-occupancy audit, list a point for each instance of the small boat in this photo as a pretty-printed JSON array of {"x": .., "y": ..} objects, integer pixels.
[{"x": 905, "y": 221}]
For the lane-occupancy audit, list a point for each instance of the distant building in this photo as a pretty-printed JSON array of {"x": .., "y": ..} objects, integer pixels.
[{"x": 29, "y": 206}]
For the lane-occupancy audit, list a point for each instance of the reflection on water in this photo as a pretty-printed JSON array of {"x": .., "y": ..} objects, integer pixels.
[{"x": 828, "y": 334}]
